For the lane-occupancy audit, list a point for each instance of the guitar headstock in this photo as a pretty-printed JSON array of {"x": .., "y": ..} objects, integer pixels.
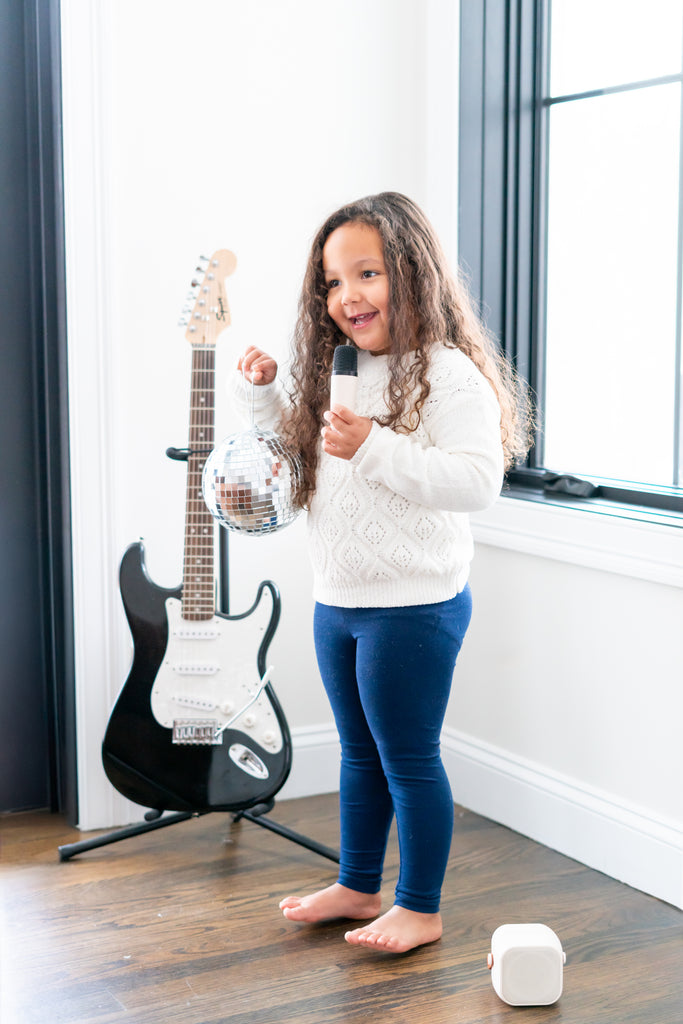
[{"x": 206, "y": 312}]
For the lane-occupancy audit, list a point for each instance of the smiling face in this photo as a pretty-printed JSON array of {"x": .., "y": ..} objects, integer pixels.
[{"x": 358, "y": 286}]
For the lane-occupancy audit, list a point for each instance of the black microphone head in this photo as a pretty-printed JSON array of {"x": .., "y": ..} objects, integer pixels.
[{"x": 345, "y": 360}]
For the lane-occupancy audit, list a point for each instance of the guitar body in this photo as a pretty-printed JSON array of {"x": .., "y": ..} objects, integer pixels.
[{"x": 187, "y": 733}]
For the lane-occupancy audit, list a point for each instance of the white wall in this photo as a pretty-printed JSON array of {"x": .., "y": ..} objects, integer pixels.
[
  {"x": 192, "y": 127},
  {"x": 565, "y": 718},
  {"x": 576, "y": 669}
]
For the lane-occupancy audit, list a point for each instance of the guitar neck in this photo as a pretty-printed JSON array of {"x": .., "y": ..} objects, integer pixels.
[{"x": 199, "y": 591}]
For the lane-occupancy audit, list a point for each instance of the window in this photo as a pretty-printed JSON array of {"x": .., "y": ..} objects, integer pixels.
[{"x": 571, "y": 227}]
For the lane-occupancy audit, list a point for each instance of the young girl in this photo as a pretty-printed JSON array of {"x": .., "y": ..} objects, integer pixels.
[{"x": 388, "y": 488}]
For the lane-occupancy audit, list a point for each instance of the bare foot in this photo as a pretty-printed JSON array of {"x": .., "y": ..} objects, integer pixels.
[
  {"x": 328, "y": 904},
  {"x": 397, "y": 931}
]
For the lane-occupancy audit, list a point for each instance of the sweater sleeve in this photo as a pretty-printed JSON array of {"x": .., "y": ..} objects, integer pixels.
[
  {"x": 458, "y": 467},
  {"x": 268, "y": 399}
]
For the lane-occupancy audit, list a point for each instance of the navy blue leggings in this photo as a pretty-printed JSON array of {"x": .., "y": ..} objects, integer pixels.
[{"x": 387, "y": 673}]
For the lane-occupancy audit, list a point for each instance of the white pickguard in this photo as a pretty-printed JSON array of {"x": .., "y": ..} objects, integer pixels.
[{"x": 209, "y": 673}]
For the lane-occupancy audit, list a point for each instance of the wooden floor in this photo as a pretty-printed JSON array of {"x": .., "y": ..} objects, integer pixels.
[{"x": 182, "y": 925}]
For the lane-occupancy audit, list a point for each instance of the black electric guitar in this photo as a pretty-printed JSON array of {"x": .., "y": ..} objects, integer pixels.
[{"x": 197, "y": 726}]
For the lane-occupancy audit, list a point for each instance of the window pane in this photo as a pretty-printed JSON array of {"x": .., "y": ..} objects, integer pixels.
[
  {"x": 611, "y": 285},
  {"x": 598, "y": 43}
]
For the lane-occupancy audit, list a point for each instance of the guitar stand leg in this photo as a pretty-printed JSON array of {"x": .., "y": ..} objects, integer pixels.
[
  {"x": 72, "y": 849},
  {"x": 257, "y": 816}
]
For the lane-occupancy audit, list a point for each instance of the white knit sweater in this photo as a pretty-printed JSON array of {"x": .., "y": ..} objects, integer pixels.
[{"x": 390, "y": 527}]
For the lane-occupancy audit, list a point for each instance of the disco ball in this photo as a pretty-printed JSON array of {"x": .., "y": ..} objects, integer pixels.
[{"x": 249, "y": 482}]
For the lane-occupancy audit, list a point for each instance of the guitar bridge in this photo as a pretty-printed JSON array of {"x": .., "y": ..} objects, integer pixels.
[{"x": 196, "y": 732}]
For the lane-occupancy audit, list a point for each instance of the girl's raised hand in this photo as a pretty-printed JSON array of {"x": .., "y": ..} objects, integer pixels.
[
  {"x": 345, "y": 432},
  {"x": 257, "y": 366}
]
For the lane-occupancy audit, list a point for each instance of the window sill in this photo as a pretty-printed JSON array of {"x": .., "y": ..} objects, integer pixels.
[{"x": 642, "y": 544}]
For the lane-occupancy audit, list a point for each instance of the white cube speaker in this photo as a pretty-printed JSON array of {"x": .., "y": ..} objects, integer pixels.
[{"x": 526, "y": 963}]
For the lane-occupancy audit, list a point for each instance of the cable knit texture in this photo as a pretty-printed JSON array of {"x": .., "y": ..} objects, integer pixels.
[{"x": 391, "y": 526}]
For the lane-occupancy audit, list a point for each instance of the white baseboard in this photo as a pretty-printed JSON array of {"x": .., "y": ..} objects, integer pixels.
[
  {"x": 587, "y": 825},
  {"x": 315, "y": 762}
]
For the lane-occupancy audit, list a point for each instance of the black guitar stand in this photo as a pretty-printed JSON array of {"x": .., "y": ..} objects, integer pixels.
[{"x": 155, "y": 819}]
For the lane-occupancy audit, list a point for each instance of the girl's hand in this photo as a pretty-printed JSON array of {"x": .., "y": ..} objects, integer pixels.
[
  {"x": 257, "y": 366},
  {"x": 345, "y": 432}
]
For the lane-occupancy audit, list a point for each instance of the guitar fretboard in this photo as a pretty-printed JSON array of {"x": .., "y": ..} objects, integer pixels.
[{"x": 199, "y": 593}]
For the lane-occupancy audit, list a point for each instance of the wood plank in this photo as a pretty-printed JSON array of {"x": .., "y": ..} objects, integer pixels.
[{"x": 182, "y": 924}]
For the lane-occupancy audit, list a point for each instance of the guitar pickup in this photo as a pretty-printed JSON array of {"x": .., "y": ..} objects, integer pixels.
[
  {"x": 186, "y": 701},
  {"x": 196, "y": 732},
  {"x": 198, "y": 668},
  {"x": 198, "y": 632}
]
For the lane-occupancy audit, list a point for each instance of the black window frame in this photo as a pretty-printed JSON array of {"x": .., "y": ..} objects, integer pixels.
[{"x": 503, "y": 73}]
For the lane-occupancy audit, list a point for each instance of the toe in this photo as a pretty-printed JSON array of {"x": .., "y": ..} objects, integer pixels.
[
  {"x": 296, "y": 912},
  {"x": 290, "y": 901}
]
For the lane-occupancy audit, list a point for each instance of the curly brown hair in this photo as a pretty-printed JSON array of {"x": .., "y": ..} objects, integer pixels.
[{"x": 427, "y": 307}]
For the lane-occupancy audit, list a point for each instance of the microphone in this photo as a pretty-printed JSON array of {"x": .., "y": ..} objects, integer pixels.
[{"x": 344, "y": 379}]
